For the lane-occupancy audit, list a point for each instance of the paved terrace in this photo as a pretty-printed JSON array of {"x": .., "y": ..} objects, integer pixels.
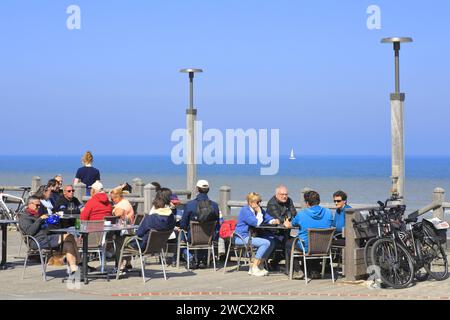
[{"x": 195, "y": 284}]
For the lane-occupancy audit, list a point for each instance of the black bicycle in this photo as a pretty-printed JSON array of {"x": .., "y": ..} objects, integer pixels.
[{"x": 409, "y": 250}]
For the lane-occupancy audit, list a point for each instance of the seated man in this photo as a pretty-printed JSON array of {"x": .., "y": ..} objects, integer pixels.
[
  {"x": 280, "y": 207},
  {"x": 34, "y": 224},
  {"x": 98, "y": 206},
  {"x": 200, "y": 209},
  {"x": 340, "y": 200},
  {"x": 315, "y": 217},
  {"x": 68, "y": 203}
]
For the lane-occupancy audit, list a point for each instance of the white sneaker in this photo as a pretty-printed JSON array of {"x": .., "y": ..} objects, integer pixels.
[
  {"x": 266, "y": 273},
  {"x": 250, "y": 270},
  {"x": 257, "y": 272}
]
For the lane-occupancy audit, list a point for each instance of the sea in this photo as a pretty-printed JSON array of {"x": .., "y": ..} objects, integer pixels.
[{"x": 365, "y": 179}]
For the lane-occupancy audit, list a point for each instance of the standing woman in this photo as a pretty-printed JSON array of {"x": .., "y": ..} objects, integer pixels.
[
  {"x": 122, "y": 207},
  {"x": 253, "y": 215},
  {"x": 87, "y": 173}
]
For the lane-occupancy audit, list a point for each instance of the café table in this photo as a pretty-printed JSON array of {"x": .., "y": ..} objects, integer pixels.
[
  {"x": 4, "y": 224},
  {"x": 84, "y": 232},
  {"x": 272, "y": 227},
  {"x": 278, "y": 229}
]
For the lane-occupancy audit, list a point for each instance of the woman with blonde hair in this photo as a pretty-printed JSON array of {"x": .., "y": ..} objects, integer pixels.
[
  {"x": 87, "y": 174},
  {"x": 122, "y": 207},
  {"x": 253, "y": 215},
  {"x": 124, "y": 211}
]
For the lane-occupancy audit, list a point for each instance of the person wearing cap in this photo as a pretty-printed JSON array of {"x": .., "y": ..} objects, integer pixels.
[
  {"x": 190, "y": 214},
  {"x": 98, "y": 206}
]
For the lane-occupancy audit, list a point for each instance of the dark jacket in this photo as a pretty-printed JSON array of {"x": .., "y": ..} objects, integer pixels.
[
  {"x": 54, "y": 196},
  {"x": 160, "y": 220},
  {"x": 190, "y": 210},
  {"x": 63, "y": 204},
  {"x": 33, "y": 226},
  {"x": 281, "y": 211}
]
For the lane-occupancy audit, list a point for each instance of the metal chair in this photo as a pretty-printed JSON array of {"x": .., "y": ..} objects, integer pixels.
[
  {"x": 44, "y": 254},
  {"x": 96, "y": 241},
  {"x": 337, "y": 249},
  {"x": 246, "y": 247},
  {"x": 138, "y": 219},
  {"x": 202, "y": 235},
  {"x": 156, "y": 245},
  {"x": 319, "y": 243}
]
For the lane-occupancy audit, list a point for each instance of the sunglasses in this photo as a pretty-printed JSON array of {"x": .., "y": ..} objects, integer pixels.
[
  {"x": 70, "y": 190},
  {"x": 37, "y": 205},
  {"x": 337, "y": 201}
]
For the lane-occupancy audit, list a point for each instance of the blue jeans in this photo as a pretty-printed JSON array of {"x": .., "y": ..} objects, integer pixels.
[{"x": 265, "y": 246}]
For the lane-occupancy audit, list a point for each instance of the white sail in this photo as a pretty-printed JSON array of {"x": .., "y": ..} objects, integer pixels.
[{"x": 292, "y": 157}]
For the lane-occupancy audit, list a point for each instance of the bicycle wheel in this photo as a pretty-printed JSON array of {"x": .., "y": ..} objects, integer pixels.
[
  {"x": 395, "y": 263},
  {"x": 367, "y": 250},
  {"x": 420, "y": 273},
  {"x": 435, "y": 259}
]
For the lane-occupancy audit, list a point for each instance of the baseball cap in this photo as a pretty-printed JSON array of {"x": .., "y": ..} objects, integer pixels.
[
  {"x": 97, "y": 185},
  {"x": 202, "y": 184},
  {"x": 174, "y": 199}
]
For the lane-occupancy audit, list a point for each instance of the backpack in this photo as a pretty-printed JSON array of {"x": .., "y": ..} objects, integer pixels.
[
  {"x": 227, "y": 228},
  {"x": 205, "y": 211}
]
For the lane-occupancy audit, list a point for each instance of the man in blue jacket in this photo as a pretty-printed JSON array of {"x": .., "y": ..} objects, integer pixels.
[
  {"x": 340, "y": 200},
  {"x": 312, "y": 217},
  {"x": 209, "y": 211}
]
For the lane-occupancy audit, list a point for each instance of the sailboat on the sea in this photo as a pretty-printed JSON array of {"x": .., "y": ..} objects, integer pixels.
[{"x": 292, "y": 157}]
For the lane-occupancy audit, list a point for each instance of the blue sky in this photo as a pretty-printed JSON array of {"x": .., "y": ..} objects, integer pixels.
[{"x": 310, "y": 68}]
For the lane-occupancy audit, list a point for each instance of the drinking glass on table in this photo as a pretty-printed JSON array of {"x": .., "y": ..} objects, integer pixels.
[{"x": 71, "y": 208}]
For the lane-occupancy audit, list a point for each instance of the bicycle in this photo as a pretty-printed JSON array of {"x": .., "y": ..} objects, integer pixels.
[
  {"x": 395, "y": 263},
  {"x": 409, "y": 243},
  {"x": 5, "y": 211}
]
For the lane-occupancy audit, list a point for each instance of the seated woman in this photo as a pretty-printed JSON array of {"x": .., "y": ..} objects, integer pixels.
[
  {"x": 124, "y": 211},
  {"x": 43, "y": 194},
  {"x": 33, "y": 224},
  {"x": 253, "y": 215},
  {"x": 122, "y": 207},
  {"x": 161, "y": 218}
]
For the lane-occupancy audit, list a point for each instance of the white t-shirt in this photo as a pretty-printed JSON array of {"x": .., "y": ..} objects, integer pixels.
[{"x": 259, "y": 216}]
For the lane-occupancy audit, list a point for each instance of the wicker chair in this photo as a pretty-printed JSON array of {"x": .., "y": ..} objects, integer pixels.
[
  {"x": 202, "y": 235},
  {"x": 319, "y": 243},
  {"x": 156, "y": 245}
]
